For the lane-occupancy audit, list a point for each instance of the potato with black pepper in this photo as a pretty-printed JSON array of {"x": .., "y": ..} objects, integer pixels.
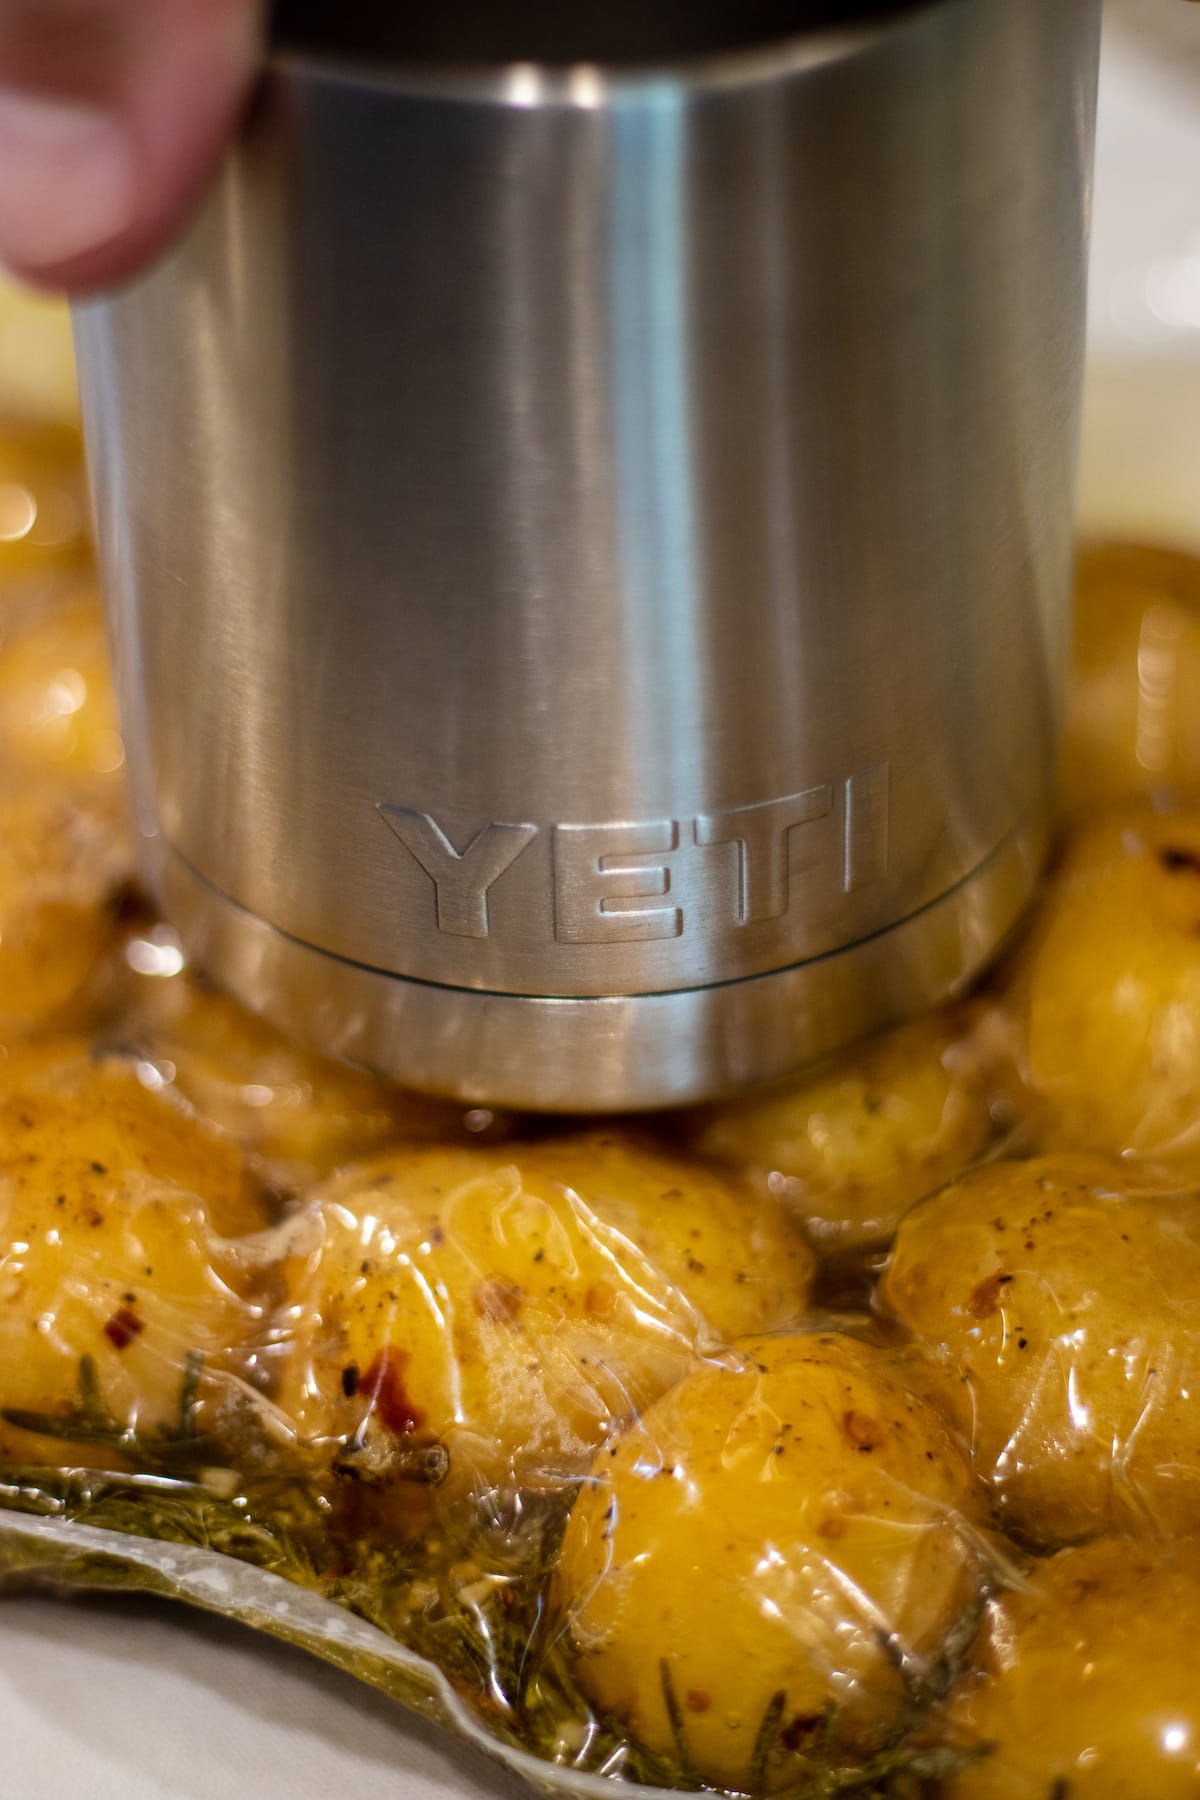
[
  {"x": 63, "y": 865},
  {"x": 1083, "y": 1682},
  {"x": 766, "y": 1564},
  {"x": 119, "y": 1215},
  {"x": 1111, "y": 988},
  {"x": 65, "y": 846},
  {"x": 852, "y": 1146},
  {"x": 1066, "y": 1290},
  {"x": 507, "y": 1306}
]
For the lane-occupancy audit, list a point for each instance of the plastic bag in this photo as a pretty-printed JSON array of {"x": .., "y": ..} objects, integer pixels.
[{"x": 633, "y": 1455}]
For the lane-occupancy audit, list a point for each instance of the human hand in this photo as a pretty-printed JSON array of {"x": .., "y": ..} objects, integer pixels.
[{"x": 112, "y": 114}]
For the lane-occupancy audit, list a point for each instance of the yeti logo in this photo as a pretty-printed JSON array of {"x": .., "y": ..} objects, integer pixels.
[{"x": 615, "y": 883}]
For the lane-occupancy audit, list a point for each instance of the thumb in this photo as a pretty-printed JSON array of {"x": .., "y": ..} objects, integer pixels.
[{"x": 112, "y": 114}]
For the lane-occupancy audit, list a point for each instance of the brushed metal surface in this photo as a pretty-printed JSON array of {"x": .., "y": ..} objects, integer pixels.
[
  {"x": 614, "y": 1053},
  {"x": 579, "y": 535}
]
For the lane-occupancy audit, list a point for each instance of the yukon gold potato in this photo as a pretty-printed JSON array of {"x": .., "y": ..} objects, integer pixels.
[
  {"x": 116, "y": 1211},
  {"x": 1113, "y": 988},
  {"x": 1067, "y": 1292},
  {"x": 510, "y": 1305},
  {"x": 61, "y": 863},
  {"x": 302, "y": 1114},
  {"x": 762, "y": 1559},
  {"x": 65, "y": 846},
  {"x": 1084, "y": 1682},
  {"x": 57, "y": 710},
  {"x": 1133, "y": 713},
  {"x": 852, "y": 1146},
  {"x": 43, "y": 513}
]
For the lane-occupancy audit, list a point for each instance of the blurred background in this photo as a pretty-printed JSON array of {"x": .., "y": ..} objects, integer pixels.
[
  {"x": 1141, "y": 448},
  {"x": 1142, "y": 426}
]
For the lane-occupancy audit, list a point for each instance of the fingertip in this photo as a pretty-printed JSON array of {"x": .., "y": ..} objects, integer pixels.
[
  {"x": 70, "y": 181},
  {"x": 91, "y": 190}
]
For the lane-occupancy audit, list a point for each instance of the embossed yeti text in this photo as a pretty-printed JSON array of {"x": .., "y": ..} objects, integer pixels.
[{"x": 615, "y": 883}]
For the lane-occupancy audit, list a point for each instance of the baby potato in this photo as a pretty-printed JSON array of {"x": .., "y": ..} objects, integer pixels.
[
  {"x": 116, "y": 1211},
  {"x": 303, "y": 1115},
  {"x": 852, "y": 1146},
  {"x": 1133, "y": 713},
  {"x": 1113, "y": 988},
  {"x": 43, "y": 514},
  {"x": 1084, "y": 1682},
  {"x": 65, "y": 845},
  {"x": 57, "y": 709},
  {"x": 61, "y": 862},
  {"x": 1066, "y": 1289},
  {"x": 763, "y": 1563},
  {"x": 509, "y": 1305}
]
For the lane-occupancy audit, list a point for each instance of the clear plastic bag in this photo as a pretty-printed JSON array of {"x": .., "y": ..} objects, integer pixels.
[{"x": 770, "y": 1449}]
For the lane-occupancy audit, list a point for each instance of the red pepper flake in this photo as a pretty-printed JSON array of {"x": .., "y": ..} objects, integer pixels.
[
  {"x": 123, "y": 1327},
  {"x": 1179, "y": 861},
  {"x": 498, "y": 1299},
  {"x": 697, "y": 1700},
  {"x": 797, "y": 1731},
  {"x": 985, "y": 1298},
  {"x": 864, "y": 1432},
  {"x": 382, "y": 1385},
  {"x": 600, "y": 1301}
]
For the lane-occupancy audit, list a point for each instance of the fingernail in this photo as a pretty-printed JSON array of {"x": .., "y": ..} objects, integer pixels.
[{"x": 67, "y": 179}]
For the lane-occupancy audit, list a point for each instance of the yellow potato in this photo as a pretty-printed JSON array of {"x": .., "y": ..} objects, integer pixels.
[
  {"x": 1133, "y": 715},
  {"x": 852, "y": 1146},
  {"x": 1067, "y": 1291},
  {"x": 510, "y": 1304},
  {"x": 1085, "y": 1681},
  {"x": 783, "y": 1537},
  {"x": 43, "y": 512},
  {"x": 57, "y": 710},
  {"x": 302, "y": 1114},
  {"x": 65, "y": 846},
  {"x": 115, "y": 1208},
  {"x": 61, "y": 864},
  {"x": 1113, "y": 988}
]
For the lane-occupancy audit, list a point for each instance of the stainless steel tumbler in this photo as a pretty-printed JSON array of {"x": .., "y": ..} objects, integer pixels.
[{"x": 588, "y": 542}]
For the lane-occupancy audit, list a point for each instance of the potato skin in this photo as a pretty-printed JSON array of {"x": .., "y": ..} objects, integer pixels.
[
  {"x": 1111, "y": 988},
  {"x": 62, "y": 863},
  {"x": 790, "y": 1521},
  {"x": 1133, "y": 722},
  {"x": 44, "y": 464},
  {"x": 58, "y": 712},
  {"x": 1085, "y": 1680},
  {"x": 853, "y": 1146},
  {"x": 512, "y": 1304},
  {"x": 115, "y": 1208},
  {"x": 65, "y": 846},
  {"x": 1066, "y": 1290},
  {"x": 301, "y": 1115}
]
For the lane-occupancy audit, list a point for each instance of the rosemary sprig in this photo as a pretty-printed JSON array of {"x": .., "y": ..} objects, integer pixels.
[
  {"x": 90, "y": 1423},
  {"x": 765, "y": 1741},
  {"x": 675, "y": 1720},
  {"x": 471, "y": 1598}
]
